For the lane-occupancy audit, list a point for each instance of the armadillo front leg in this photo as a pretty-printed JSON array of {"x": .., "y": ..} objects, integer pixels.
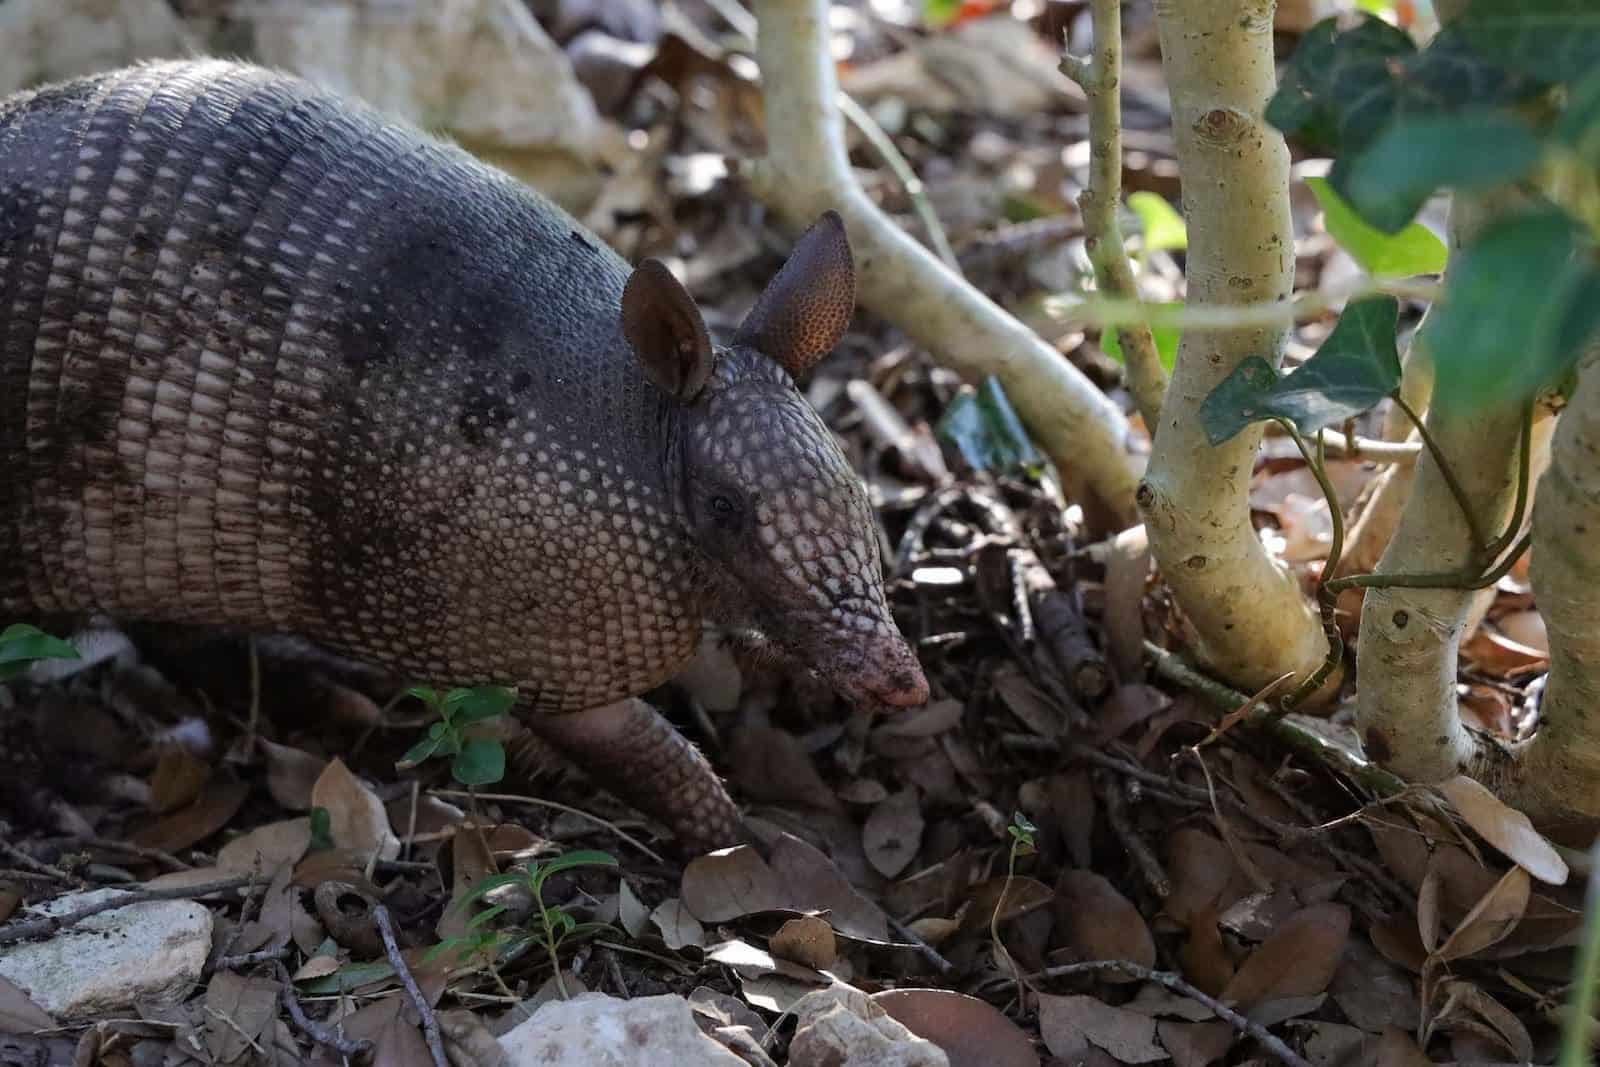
[{"x": 635, "y": 753}]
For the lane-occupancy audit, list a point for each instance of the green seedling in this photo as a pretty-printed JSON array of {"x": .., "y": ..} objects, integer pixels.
[
  {"x": 553, "y": 925},
  {"x": 476, "y": 760},
  {"x": 22, "y": 645}
]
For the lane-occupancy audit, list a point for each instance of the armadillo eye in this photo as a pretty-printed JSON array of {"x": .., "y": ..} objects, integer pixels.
[{"x": 722, "y": 505}]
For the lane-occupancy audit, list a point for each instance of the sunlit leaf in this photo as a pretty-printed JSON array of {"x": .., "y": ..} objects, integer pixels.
[
  {"x": 1414, "y": 250},
  {"x": 1161, "y": 225},
  {"x": 983, "y": 427}
]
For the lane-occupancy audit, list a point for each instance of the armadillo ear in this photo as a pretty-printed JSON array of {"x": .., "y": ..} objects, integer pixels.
[
  {"x": 804, "y": 311},
  {"x": 664, "y": 328}
]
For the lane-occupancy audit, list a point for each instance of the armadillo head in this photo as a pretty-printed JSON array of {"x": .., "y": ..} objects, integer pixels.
[{"x": 761, "y": 487}]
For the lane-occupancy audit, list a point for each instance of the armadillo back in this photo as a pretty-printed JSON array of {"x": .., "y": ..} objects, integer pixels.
[{"x": 261, "y": 350}]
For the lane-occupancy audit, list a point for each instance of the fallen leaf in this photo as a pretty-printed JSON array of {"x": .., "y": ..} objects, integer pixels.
[
  {"x": 1506, "y": 829},
  {"x": 971, "y": 1032},
  {"x": 773, "y": 765},
  {"x": 1495, "y": 916},
  {"x": 630, "y": 911},
  {"x": 1331, "y": 1044},
  {"x": 1036, "y": 711},
  {"x": 1195, "y": 1044},
  {"x": 1205, "y": 877},
  {"x": 808, "y": 940},
  {"x": 1206, "y": 962},
  {"x": 356, "y": 817},
  {"x": 679, "y": 929},
  {"x": 938, "y": 717},
  {"x": 1299, "y": 959},
  {"x": 1468, "y": 1008},
  {"x": 238, "y": 1011},
  {"x": 731, "y": 882},
  {"x": 1527, "y": 629},
  {"x": 893, "y": 832},
  {"x": 1099, "y": 923},
  {"x": 1397, "y": 1049},
  {"x": 268, "y": 847},
  {"x": 1021, "y": 896},
  {"x": 178, "y": 778},
  {"x": 1065, "y": 1021},
  {"x": 213, "y": 809},
  {"x": 18, "y": 1013},
  {"x": 291, "y": 773},
  {"x": 814, "y": 883}
]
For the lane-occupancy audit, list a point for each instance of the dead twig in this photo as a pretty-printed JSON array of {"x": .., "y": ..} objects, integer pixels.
[
  {"x": 391, "y": 949},
  {"x": 1138, "y": 849},
  {"x": 44, "y": 926},
  {"x": 318, "y": 1032},
  {"x": 1282, "y": 1052}
]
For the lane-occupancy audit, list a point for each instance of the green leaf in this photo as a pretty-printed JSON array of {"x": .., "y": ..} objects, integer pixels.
[
  {"x": 936, "y": 13},
  {"x": 484, "y": 886},
  {"x": 1238, "y": 400},
  {"x": 580, "y": 858},
  {"x": 1547, "y": 40},
  {"x": 421, "y": 752},
  {"x": 1342, "y": 87},
  {"x": 1414, "y": 250},
  {"x": 482, "y": 761},
  {"x": 22, "y": 645},
  {"x": 484, "y": 702},
  {"x": 1389, "y": 181},
  {"x": 485, "y": 916},
  {"x": 321, "y": 830},
  {"x": 1160, "y": 223},
  {"x": 427, "y": 694},
  {"x": 986, "y": 431},
  {"x": 1355, "y": 368},
  {"x": 350, "y": 976},
  {"x": 1165, "y": 337},
  {"x": 1520, "y": 305},
  {"x": 1579, "y": 125}
]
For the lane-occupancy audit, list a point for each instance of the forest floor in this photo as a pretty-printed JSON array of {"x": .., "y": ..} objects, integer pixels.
[{"x": 1075, "y": 854}]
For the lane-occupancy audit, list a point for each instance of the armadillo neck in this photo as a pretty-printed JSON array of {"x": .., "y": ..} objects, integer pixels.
[{"x": 268, "y": 360}]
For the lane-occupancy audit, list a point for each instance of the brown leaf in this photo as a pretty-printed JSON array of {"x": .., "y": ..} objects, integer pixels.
[
  {"x": 267, "y": 847},
  {"x": 1468, "y": 1008},
  {"x": 1494, "y": 653},
  {"x": 213, "y": 809},
  {"x": 1127, "y": 707},
  {"x": 893, "y": 832},
  {"x": 1073, "y": 803},
  {"x": 1099, "y": 923},
  {"x": 678, "y": 928},
  {"x": 1036, "y": 711},
  {"x": 731, "y": 882},
  {"x": 938, "y": 717},
  {"x": 1495, "y": 916},
  {"x": 1396, "y": 1049},
  {"x": 179, "y": 776},
  {"x": 18, "y": 1013},
  {"x": 1527, "y": 629},
  {"x": 808, "y": 940},
  {"x": 1298, "y": 960},
  {"x": 1506, "y": 829},
  {"x": 773, "y": 765},
  {"x": 238, "y": 1011},
  {"x": 1066, "y": 1021},
  {"x": 971, "y": 1032},
  {"x": 814, "y": 883},
  {"x": 1023, "y": 895},
  {"x": 1396, "y": 938},
  {"x": 1195, "y": 1044},
  {"x": 1205, "y": 878},
  {"x": 291, "y": 772},
  {"x": 1206, "y": 962},
  {"x": 356, "y": 817}
]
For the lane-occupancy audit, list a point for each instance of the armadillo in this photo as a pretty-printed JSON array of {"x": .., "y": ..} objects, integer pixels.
[{"x": 272, "y": 360}]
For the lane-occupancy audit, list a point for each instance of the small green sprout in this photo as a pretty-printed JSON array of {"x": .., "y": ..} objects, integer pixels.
[
  {"x": 554, "y": 924},
  {"x": 478, "y": 760}
]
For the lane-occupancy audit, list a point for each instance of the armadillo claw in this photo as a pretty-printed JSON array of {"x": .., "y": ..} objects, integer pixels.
[{"x": 628, "y": 748}]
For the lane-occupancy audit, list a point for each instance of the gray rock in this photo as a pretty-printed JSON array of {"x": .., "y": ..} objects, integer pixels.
[
  {"x": 594, "y": 1030},
  {"x": 152, "y": 951}
]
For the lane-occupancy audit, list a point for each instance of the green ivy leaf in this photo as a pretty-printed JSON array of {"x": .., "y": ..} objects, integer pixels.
[
  {"x": 482, "y": 761},
  {"x": 1388, "y": 182},
  {"x": 986, "y": 431},
  {"x": 1355, "y": 368},
  {"x": 1166, "y": 339},
  {"x": 1546, "y": 40},
  {"x": 1520, "y": 305},
  {"x": 1238, "y": 400},
  {"x": 423, "y": 751},
  {"x": 1160, "y": 224},
  {"x": 484, "y": 702},
  {"x": 1414, "y": 250}
]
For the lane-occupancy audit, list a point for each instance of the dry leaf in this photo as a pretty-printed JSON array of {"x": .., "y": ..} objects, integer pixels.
[
  {"x": 1506, "y": 829},
  {"x": 1298, "y": 960},
  {"x": 814, "y": 883},
  {"x": 1195, "y": 1044},
  {"x": 177, "y": 780},
  {"x": 1099, "y": 923},
  {"x": 1021, "y": 896},
  {"x": 679, "y": 929},
  {"x": 731, "y": 882},
  {"x": 1037, "y": 712},
  {"x": 291, "y": 773},
  {"x": 808, "y": 940},
  {"x": 1205, "y": 878},
  {"x": 1397, "y": 1049},
  {"x": 213, "y": 809},
  {"x": 1495, "y": 916},
  {"x": 893, "y": 832},
  {"x": 238, "y": 1011},
  {"x": 1527, "y": 629},
  {"x": 971, "y": 1032},
  {"x": 1468, "y": 1008},
  {"x": 773, "y": 765},
  {"x": 356, "y": 817},
  {"x": 268, "y": 847},
  {"x": 630, "y": 911},
  {"x": 937, "y": 718},
  {"x": 1064, "y": 1022},
  {"x": 18, "y": 1013},
  {"x": 1206, "y": 962}
]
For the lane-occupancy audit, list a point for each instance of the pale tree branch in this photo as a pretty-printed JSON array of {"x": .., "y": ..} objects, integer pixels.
[
  {"x": 1252, "y": 622},
  {"x": 1100, "y": 78},
  {"x": 807, "y": 171}
]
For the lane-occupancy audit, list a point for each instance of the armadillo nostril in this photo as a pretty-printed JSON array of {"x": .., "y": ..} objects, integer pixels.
[{"x": 908, "y": 690}]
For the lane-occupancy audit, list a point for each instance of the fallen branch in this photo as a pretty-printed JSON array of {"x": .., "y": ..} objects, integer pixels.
[
  {"x": 44, "y": 926},
  {"x": 391, "y": 949}
]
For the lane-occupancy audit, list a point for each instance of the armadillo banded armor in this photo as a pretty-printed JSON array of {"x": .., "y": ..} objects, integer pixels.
[{"x": 270, "y": 360}]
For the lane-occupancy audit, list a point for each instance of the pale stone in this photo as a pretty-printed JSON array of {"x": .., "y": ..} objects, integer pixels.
[
  {"x": 842, "y": 1027},
  {"x": 150, "y": 952},
  {"x": 595, "y": 1030},
  {"x": 50, "y": 40}
]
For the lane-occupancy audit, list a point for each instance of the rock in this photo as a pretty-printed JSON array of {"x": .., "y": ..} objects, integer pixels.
[
  {"x": 842, "y": 1027},
  {"x": 48, "y": 40},
  {"x": 595, "y": 1030},
  {"x": 481, "y": 72},
  {"x": 147, "y": 952}
]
